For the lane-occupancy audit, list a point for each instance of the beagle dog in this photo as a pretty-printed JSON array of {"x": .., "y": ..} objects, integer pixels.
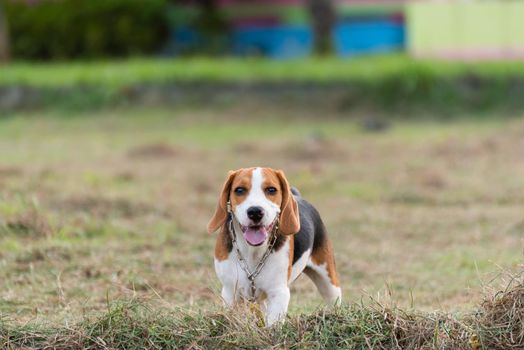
[{"x": 268, "y": 236}]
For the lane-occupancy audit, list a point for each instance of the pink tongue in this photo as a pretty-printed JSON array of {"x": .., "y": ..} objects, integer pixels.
[{"x": 255, "y": 236}]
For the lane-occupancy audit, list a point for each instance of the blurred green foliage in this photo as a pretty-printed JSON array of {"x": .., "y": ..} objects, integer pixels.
[
  {"x": 60, "y": 29},
  {"x": 393, "y": 74},
  {"x": 382, "y": 83}
]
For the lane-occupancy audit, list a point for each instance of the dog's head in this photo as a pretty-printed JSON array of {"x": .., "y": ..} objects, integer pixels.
[{"x": 257, "y": 197}]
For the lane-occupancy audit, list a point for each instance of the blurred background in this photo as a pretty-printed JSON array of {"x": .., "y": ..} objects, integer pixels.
[
  {"x": 119, "y": 119},
  {"x": 51, "y": 30}
]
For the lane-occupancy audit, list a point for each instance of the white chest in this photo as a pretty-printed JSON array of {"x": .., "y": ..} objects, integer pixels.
[{"x": 272, "y": 276}]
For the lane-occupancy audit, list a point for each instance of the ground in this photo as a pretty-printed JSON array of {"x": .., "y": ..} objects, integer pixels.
[{"x": 114, "y": 204}]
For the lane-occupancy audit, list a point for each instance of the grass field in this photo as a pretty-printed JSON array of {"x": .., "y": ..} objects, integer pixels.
[{"x": 113, "y": 206}]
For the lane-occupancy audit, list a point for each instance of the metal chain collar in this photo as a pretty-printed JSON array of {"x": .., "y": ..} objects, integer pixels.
[{"x": 243, "y": 263}]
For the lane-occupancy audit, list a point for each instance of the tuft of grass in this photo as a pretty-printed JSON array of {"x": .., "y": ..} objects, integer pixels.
[
  {"x": 138, "y": 324},
  {"x": 28, "y": 223},
  {"x": 500, "y": 324}
]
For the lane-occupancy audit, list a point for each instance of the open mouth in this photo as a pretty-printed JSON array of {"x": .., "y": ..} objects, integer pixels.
[{"x": 255, "y": 235}]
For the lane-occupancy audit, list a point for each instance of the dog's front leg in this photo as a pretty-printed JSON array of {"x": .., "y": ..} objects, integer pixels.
[
  {"x": 277, "y": 303},
  {"x": 228, "y": 295}
]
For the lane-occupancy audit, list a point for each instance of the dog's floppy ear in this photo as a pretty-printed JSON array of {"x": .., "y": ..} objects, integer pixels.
[
  {"x": 289, "y": 215},
  {"x": 220, "y": 216}
]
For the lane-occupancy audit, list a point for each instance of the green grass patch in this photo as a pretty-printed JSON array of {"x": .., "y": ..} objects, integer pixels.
[
  {"x": 381, "y": 83},
  {"x": 123, "y": 73}
]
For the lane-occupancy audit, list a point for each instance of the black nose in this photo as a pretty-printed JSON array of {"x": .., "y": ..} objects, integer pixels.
[{"x": 255, "y": 213}]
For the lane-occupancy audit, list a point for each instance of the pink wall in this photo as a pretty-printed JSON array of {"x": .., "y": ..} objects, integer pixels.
[
  {"x": 301, "y": 2},
  {"x": 260, "y": 2}
]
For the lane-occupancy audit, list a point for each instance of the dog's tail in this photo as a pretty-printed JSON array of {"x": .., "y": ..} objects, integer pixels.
[{"x": 295, "y": 191}]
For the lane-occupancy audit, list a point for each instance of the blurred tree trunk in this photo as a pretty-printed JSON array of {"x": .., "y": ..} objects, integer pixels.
[
  {"x": 4, "y": 37},
  {"x": 212, "y": 26},
  {"x": 323, "y": 16}
]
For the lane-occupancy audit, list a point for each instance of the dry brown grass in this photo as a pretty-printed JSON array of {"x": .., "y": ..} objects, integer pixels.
[
  {"x": 139, "y": 324},
  {"x": 500, "y": 322},
  {"x": 155, "y": 150}
]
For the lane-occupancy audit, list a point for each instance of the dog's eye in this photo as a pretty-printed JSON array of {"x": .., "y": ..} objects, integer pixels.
[
  {"x": 240, "y": 190},
  {"x": 271, "y": 190}
]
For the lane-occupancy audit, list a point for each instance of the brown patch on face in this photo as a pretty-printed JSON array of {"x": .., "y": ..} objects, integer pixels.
[
  {"x": 289, "y": 216},
  {"x": 291, "y": 241},
  {"x": 324, "y": 254},
  {"x": 223, "y": 245},
  {"x": 234, "y": 178},
  {"x": 242, "y": 179},
  {"x": 271, "y": 180}
]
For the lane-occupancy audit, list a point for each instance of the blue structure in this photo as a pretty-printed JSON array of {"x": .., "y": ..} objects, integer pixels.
[
  {"x": 279, "y": 42},
  {"x": 368, "y": 37},
  {"x": 283, "y": 30},
  {"x": 186, "y": 39}
]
